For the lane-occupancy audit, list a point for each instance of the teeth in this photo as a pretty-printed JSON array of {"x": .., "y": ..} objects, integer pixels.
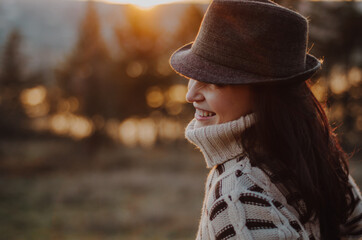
[{"x": 204, "y": 113}]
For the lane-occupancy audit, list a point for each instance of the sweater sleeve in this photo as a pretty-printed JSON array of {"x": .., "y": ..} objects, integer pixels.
[
  {"x": 250, "y": 215},
  {"x": 352, "y": 229}
]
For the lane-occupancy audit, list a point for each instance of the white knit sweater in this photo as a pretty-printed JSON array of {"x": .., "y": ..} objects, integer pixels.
[{"x": 240, "y": 200}]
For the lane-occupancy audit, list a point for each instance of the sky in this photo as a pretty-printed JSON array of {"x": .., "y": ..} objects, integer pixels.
[{"x": 151, "y": 3}]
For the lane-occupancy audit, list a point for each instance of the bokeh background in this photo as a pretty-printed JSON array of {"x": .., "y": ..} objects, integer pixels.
[{"x": 92, "y": 117}]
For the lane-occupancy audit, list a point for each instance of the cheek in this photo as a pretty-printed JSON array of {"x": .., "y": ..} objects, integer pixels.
[
  {"x": 217, "y": 103},
  {"x": 233, "y": 106},
  {"x": 225, "y": 108}
]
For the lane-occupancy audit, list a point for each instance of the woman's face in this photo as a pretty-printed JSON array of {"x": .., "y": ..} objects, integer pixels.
[{"x": 216, "y": 104}]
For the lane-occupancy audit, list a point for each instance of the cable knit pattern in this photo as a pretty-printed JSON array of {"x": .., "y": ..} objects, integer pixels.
[{"x": 241, "y": 202}]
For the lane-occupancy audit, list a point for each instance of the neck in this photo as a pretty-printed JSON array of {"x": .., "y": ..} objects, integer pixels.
[{"x": 221, "y": 142}]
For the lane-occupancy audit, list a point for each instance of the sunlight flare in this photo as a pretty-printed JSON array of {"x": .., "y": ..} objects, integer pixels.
[
  {"x": 148, "y": 4},
  {"x": 33, "y": 96}
]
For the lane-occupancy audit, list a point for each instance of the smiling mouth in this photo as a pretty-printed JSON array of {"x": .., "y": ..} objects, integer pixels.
[{"x": 203, "y": 114}]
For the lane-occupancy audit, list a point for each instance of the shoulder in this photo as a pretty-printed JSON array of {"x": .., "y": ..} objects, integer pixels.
[
  {"x": 239, "y": 203},
  {"x": 252, "y": 215},
  {"x": 237, "y": 175},
  {"x": 352, "y": 229}
]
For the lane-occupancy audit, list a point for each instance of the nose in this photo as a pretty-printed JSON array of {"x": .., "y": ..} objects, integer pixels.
[{"x": 193, "y": 93}]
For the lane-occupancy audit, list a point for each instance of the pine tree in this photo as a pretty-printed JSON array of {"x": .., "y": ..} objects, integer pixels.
[
  {"x": 86, "y": 75},
  {"x": 12, "y": 114},
  {"x": 339, "y": 42},
  {"x": 11, "y": 72},
  {"x": 142, "y": 47},
  {"x": 189, "y": 25}
]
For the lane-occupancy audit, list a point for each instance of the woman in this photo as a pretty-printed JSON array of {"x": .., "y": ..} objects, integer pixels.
[{"x": 277, "y": 169}]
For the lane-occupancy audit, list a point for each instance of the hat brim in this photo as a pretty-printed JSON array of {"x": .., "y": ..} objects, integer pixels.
[{"x": 190, "y": 65}]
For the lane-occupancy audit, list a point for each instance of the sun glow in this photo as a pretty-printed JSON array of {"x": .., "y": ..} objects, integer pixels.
[
  {"x": 148, "y": 4},
  {"x": 142, "y": 4}
]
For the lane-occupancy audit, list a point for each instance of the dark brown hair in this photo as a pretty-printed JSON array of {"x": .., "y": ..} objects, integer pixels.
[{"x": 293, "y": 142}]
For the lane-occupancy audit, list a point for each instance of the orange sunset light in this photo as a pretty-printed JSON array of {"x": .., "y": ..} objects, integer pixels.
[{"x": 148, "y": 4}]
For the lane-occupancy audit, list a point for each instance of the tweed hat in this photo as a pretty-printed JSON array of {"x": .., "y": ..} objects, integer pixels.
[{"x": 247, "y": 42}]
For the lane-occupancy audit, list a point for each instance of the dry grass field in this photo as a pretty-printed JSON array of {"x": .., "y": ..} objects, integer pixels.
[{"x": 52, "y": 190}]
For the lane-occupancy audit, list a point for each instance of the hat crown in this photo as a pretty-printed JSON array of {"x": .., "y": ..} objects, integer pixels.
[{"x": 258, "y": 36}]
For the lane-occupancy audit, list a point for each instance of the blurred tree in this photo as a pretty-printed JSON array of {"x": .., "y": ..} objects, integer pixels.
[
  {"x": 13, "y": 117},
  {"x": 334, "y": 31},
  {"x": 12, "y": 61},
  {"x": 141, "y": 61},
  {"x": 189, "y": 25},
  {"x": 86, "y": 73},
  {"x": 186, "y": 33}
]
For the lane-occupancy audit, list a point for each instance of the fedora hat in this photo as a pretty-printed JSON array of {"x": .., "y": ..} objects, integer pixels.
[{"x": 247, "y": 42}]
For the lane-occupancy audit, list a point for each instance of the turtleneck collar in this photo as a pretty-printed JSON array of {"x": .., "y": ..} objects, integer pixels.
[{"x": 221, "y": 142}]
